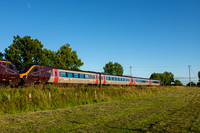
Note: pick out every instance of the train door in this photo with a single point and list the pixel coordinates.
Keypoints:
(55, 75)
(133, 81)
(104, 79)
(130, 81)
(97, 78)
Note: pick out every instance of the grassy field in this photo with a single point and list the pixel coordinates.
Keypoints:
(176, 110)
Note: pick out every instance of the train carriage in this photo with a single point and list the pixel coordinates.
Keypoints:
(8, 73)
(115, 80)
(74, 77)
(155, 82)
(141, 81)
(33, 74)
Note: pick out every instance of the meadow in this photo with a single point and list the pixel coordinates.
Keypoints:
(93, 109)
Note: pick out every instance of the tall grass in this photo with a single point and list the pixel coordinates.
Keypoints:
(17, 100)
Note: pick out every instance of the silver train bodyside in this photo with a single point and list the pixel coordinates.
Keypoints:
(87, 77)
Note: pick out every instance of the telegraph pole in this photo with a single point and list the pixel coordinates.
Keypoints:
(189, 76)
(131, 71)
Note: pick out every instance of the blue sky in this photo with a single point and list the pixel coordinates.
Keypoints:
(149, 35)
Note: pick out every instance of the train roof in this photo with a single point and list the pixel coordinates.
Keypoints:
(29, 65)
(5, 61)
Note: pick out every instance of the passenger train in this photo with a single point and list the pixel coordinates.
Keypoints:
(34, 74)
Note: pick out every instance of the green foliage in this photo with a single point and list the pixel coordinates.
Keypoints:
(198, 84)
(115, 68)
(177, 83)
(192, 84)
(166, 78)
(24, 51)
(68, 58)
(109, 68)
(1, 55)
(199, 75)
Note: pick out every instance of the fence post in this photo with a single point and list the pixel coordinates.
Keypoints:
(86, 94)
(95, 94)
(49, 95)
(30, 97)
(8, 97)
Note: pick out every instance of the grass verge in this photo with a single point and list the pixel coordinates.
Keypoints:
(18, 100)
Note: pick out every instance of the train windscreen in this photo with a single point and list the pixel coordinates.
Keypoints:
(25, 69)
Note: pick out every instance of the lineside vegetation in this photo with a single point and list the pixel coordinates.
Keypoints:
(18, 100)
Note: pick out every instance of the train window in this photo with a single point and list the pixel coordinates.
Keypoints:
(113, 78)
(75, 75)
(86, 76)
(56, 74)
(63, 74)
(92, 76)
(82, 76)
(11, 67)
(69, 75)
(107, 78)
(35, 69)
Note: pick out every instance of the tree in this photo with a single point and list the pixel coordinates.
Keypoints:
(115, 68)
(66, 58)
(1, 55)
(192, 84)
(177, 83)
(109, 68)
(199, 75)
(198, 84)
(118, 69)
(166, 78)
(25, 51)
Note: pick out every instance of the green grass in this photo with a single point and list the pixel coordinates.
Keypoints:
(51, 97)
(174, 110)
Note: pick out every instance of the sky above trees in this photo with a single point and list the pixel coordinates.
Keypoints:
(152, 36)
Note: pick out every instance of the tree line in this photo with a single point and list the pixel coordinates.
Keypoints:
(24, 51)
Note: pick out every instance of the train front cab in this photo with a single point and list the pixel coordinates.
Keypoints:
(35, 74)
(8, 73)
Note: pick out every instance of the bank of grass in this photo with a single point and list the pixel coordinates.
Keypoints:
(37, 98)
